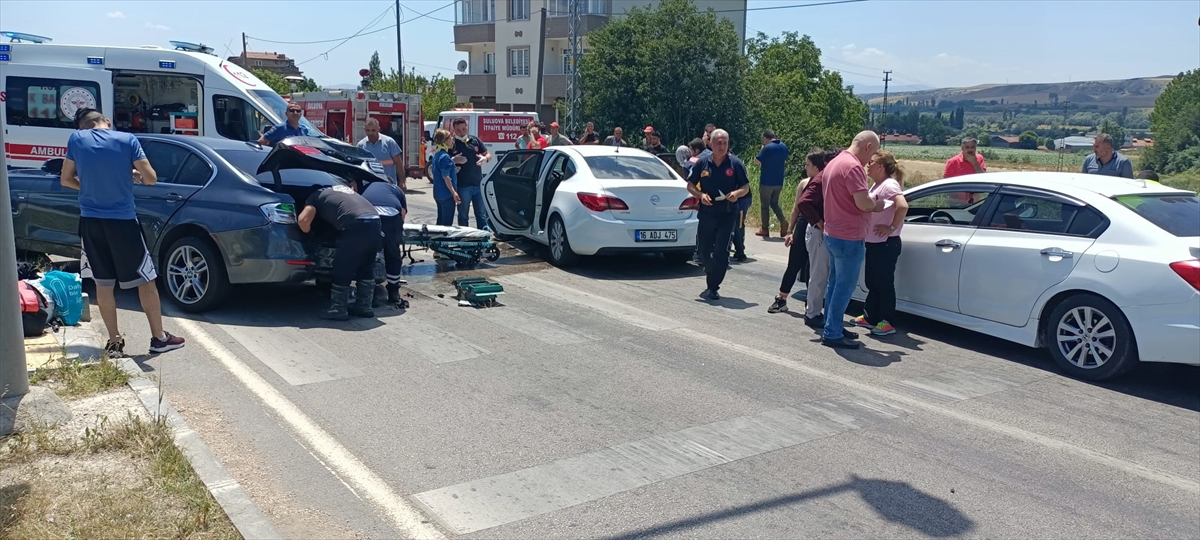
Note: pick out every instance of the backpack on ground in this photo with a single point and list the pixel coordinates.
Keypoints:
(35, 311)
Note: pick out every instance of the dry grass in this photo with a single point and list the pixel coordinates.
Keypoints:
(74, 379)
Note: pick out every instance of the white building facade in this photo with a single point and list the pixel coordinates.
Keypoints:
(500, 38)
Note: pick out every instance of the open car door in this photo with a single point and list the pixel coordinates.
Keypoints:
(510, 191)
(312, 153)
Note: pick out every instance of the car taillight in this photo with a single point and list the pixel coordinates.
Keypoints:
(284, 213)
(600, 203)
(1189, 271)
(307, 150)
(690, 203)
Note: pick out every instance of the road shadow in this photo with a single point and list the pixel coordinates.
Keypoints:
(647, 267)
(895, 502)
(728, 302)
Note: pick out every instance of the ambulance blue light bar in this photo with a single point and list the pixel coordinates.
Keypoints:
(95, 61)
(3, 57)
(5, 48)
(166, 64)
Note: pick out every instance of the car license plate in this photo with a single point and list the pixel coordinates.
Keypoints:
(656, 236)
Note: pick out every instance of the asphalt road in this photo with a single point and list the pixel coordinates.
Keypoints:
(609, 402)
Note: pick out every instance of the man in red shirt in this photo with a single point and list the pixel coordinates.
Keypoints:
(848, 208)
(966, 162)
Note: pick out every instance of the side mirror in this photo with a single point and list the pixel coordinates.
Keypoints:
(53, 166)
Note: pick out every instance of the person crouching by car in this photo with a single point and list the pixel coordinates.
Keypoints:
(445, 178)
(359, 239)
(390, 197)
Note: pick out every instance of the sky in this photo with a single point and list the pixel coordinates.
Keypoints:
(949, 43)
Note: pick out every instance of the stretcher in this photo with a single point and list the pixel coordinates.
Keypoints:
(466, 246)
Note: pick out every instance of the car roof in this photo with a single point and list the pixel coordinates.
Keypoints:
(215, 143)
(591, 150)
(1067, 183)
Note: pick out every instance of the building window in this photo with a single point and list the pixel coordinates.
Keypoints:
(562, 8)
(558, 8)
(518, 62)
(489, 62)
(518, 10)
(477, 11)
(595, 7)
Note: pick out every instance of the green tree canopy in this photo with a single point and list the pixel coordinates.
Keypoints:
(1175, 123)
(787, 91)
(1029, 141)
(280, 85)
(437, 92)
(669, 66)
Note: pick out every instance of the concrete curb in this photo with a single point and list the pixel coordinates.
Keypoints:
(247, 517)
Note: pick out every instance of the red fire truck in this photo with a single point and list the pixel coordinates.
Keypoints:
(343, 114)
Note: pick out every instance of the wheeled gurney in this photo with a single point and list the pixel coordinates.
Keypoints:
(466, 246)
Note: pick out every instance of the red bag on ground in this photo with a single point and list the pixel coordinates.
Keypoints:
(33, 310)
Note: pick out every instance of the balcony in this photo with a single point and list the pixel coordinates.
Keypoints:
(558, 27)
(475, 33)
(475, 85)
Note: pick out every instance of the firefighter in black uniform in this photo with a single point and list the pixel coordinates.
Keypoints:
(359, 239)
(718, 180)
(390, 198)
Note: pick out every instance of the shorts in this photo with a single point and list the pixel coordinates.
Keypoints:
(114, 252)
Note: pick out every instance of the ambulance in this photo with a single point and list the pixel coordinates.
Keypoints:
(185, 89)
(343, 114)
(497, 130)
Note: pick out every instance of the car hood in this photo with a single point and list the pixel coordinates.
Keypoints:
(318, 154)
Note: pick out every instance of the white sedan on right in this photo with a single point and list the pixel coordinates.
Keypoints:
(1104, 272)
(592, 200)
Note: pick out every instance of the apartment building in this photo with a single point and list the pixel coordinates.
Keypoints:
(274, 62)
(500, 38)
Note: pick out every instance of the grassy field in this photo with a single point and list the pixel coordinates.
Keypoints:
(1015, 158)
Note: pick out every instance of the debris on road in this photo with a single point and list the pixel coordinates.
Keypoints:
(477, 291)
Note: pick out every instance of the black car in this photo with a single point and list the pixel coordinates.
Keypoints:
(223, 212)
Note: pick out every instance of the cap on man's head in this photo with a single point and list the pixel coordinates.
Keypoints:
(88, 117)
(553, 124)
(649, 129)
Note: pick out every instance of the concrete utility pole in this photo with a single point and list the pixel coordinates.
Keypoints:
(541, 64)
(244, 65)
(14, 375)
(399, 53)
(574, 91)
(887, 78)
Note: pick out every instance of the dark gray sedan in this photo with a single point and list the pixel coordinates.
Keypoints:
(223, 212)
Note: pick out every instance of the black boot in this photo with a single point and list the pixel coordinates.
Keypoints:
(393, 292)
(364, 294)
(380, 300)
(338, 296)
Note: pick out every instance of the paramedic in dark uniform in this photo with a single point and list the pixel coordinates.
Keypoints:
(385, 195)
(718, 181)
(359, 239)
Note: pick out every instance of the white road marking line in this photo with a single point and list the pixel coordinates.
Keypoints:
(288, 352)
(636, 317)
(348, 468)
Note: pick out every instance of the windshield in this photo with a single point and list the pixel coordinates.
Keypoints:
(628, 168)
(279, 107)
(1176, 214)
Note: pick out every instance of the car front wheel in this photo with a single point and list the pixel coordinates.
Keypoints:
(194, 275)
(560, 246)
(1090, 338)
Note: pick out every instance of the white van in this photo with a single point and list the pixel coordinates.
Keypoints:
(186, 90)
(497, 130)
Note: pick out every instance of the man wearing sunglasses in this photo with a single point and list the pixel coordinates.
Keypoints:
(291, 128)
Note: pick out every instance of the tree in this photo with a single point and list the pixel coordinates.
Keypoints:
(376, 75)
(1049, 143)
(280, 85)
(933, 131)
(1117, 132)
(1028, 141)
(669, 66)
(437, 93)
(1175, 122)
(787, 90)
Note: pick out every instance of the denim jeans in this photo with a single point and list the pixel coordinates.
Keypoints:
(471, 196)
(445, 211)
(845, 262)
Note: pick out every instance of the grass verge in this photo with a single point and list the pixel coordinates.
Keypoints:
(75, 379)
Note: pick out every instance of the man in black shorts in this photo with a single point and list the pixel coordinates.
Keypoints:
(359, 238)
(103, 165)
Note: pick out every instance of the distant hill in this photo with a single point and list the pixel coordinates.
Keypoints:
(1133, 93)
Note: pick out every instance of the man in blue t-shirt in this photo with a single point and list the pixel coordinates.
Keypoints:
(103, 165)
(718, 181)
(385, 150)
(291, 128)
(772, 158)
(390, 198)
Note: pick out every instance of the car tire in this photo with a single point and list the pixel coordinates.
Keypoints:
(1089, 325)
(560, 246)
(195, 260)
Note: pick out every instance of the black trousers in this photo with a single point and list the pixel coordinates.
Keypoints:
(357, 245)
(797, 266)
(393, 250)
(880, 278)
(712, 240)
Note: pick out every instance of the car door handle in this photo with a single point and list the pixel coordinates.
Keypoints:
(1057, 252)
(174, 197)
(947, 245)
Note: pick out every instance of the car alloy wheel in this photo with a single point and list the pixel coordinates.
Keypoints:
(187, 274)
(1086, 337)
(558, 239)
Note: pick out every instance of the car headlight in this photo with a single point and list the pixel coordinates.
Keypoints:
(284, 213)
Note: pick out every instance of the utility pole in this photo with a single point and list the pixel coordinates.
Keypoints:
(574, 91)
(399, 53)
(14, 375)
(887, 77)
(541, 64)
(244, 65)
(1062, 151)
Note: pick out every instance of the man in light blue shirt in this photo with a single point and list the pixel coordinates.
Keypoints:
(1105, 160)
(291, 128)
(384, 149)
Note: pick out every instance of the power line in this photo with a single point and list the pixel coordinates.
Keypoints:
(832, 3)
(361, 33)
(427, 14)
(343, 42)
(341, 39)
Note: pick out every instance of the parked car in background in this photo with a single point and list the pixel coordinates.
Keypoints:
(1104, 272)
(222, 213)
(592, 200)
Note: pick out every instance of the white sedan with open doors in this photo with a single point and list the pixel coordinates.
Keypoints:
(1104, 272)
(592, 200)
